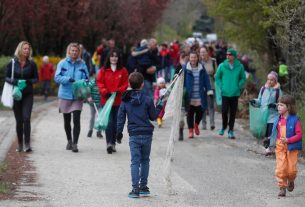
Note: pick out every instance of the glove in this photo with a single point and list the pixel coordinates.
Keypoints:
(119, 137)
(272, 106)
(21, 84)
(71, 80)
(252, 101)
(210, 93)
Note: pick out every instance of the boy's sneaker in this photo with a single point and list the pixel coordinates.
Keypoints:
(134, 194)
(144, 191)
(90, 133)
(99, 134)
(231, 134)
(221, 132)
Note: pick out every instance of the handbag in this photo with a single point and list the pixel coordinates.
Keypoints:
(7, 92)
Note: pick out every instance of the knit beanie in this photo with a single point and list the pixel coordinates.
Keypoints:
(273, 75)
(233, 52)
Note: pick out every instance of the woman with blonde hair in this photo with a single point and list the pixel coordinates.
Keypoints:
(69, 70)
(24, 70)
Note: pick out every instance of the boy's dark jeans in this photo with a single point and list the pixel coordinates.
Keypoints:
(140, 146)
(112, 128)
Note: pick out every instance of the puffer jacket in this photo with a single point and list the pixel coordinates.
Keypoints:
(66, 70)
(28, 73)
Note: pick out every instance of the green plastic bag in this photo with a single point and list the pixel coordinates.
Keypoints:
(218, 95)
(21, 84)
(102, 121)
(17, 95)
(258, 120)
(81, 89)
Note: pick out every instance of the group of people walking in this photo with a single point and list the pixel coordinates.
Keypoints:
(133, 90)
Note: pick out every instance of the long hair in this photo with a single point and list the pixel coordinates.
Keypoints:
(111, 54)
(73, 44)
(18, 50)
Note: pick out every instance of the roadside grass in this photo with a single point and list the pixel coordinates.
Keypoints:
(4, 187)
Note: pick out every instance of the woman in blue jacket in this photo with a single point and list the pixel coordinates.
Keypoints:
(68, 70)
(197, 86)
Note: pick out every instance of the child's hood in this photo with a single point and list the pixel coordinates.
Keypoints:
(135, 97)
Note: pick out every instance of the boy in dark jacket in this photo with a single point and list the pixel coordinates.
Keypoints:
(140, 110)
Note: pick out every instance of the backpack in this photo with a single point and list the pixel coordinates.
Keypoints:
(277, 93)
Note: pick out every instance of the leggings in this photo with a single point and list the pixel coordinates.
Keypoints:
(76, 128)
(22, 111)
(194, 110)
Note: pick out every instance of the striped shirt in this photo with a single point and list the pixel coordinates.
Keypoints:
(195, 99)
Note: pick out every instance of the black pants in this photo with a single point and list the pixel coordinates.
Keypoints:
(194, 110)
(76, 125)
(229, 104)
(22, 111)
(112, 126)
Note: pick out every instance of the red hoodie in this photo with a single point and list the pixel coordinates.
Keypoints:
(109, 82)
(46, 72)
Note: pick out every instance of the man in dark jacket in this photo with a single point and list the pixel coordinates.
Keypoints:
(140, 110)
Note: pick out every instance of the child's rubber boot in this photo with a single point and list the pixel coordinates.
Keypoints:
(191, 133)
(196, 129)
(159, 122)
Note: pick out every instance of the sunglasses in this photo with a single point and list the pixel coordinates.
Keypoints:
(229, 54)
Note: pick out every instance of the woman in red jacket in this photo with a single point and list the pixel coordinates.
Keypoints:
(113, 77)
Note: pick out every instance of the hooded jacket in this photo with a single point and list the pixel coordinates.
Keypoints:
(267, 95)
(140, 110)
(66, 70)
(230, 81)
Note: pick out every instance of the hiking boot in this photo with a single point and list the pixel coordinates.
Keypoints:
(113, 148)
(196, 129)
(144, 191)
(180, 134)
(212, 128)
(99, 134)
(191, 133)
(159, 122)
(282, 192)
(231, 134)
(69, 145)
(19, 148)
(27, 148)
(134, 194)
(290, 186)
(74, 148)
(109, 148)
(221, 132)
(90, 133)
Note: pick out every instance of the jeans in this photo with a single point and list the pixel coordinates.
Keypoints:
(46, 88)
(112, 128)
(92, 116)
(211, 110)
(22, 111)
(148, 89)
(229, 104)
(140, 147)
